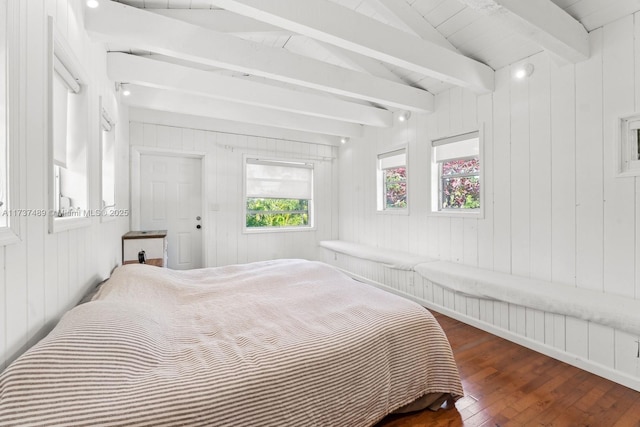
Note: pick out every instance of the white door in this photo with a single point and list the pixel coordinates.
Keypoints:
(171, 199)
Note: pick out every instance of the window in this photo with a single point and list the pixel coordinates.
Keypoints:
(456, 174)
(629, 146)
(279, 194)
(69, 113)
(392, 180)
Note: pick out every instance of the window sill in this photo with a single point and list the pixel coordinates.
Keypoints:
(456, 214)
(64, 224)
(259, 230)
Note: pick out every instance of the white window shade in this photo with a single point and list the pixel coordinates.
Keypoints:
(279, 180)
(60, 109)
(393, 159)
(456, 149)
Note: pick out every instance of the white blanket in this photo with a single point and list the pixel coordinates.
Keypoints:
(272, 343)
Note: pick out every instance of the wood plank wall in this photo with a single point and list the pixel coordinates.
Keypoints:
(46, 274)
(223, 168)
(554, 209)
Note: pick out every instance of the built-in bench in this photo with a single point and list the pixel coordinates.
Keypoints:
(392, 259)
(588, 329)
(552, 297)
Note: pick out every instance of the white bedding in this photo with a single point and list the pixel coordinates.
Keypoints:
(279, 343)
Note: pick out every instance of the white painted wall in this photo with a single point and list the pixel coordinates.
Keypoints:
(553, 208)
(223, 203)
(45, 274)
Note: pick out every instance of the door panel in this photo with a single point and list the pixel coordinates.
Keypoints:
(171, 199)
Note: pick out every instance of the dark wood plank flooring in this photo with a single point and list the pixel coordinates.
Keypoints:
(509, 385)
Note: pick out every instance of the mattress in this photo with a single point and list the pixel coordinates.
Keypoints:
(275, 343)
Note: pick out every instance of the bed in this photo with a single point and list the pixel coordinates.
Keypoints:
(274, 343)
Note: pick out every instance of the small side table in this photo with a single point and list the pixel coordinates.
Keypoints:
(152, 242)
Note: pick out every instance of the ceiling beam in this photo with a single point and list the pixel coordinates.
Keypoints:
(221, 20)
(118, 23)
(122, 67)
(543, 21)
(183, 103)
(165, 118)
(413, 21)
(344, 27)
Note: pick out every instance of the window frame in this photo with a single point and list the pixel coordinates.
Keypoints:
(628, 146)
(437, 177)
(59, 50)
(381, 206)
(10, 233)
(310, 205)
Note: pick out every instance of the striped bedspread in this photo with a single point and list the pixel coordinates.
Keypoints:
(275, 343)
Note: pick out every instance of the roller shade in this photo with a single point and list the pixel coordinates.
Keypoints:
(281, 180)
(393, 159)
(457, 147)
(60, 109)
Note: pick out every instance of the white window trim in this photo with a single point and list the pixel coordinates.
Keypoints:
(15, 149)
(435, 178)
(625, 165)
(380, 208)
(258, 230)
(59, 50)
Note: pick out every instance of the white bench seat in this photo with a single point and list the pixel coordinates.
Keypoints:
(610, 310)
(393, 259)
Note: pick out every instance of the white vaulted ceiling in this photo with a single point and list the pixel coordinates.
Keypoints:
(330, 67)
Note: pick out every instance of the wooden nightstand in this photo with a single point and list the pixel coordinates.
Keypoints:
(153, 243)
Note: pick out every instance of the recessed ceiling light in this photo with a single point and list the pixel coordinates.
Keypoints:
(126, 92)
(93, 4)
(344, 140)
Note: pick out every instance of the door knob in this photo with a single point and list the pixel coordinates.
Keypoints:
(198, 226)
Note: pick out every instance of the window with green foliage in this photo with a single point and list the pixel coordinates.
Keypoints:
(277, 212)
(279, 194)
(392, 180)
(456, 167)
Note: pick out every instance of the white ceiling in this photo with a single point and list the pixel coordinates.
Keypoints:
(330, 67)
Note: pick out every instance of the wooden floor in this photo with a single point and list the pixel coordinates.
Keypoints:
(509, 385)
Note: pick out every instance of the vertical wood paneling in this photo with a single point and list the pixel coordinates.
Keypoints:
(619, 203)
(577, 337)
(470, 255)
(540, 167)
(44, 274)
(601, 345)
(563, 174)
(502, 172)
(149, 136)
(136, 133)
(626, 353)
(3, 318)
(457, 240)
(520, 178)
(485, 225)
(589, 185)
(16, 303)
